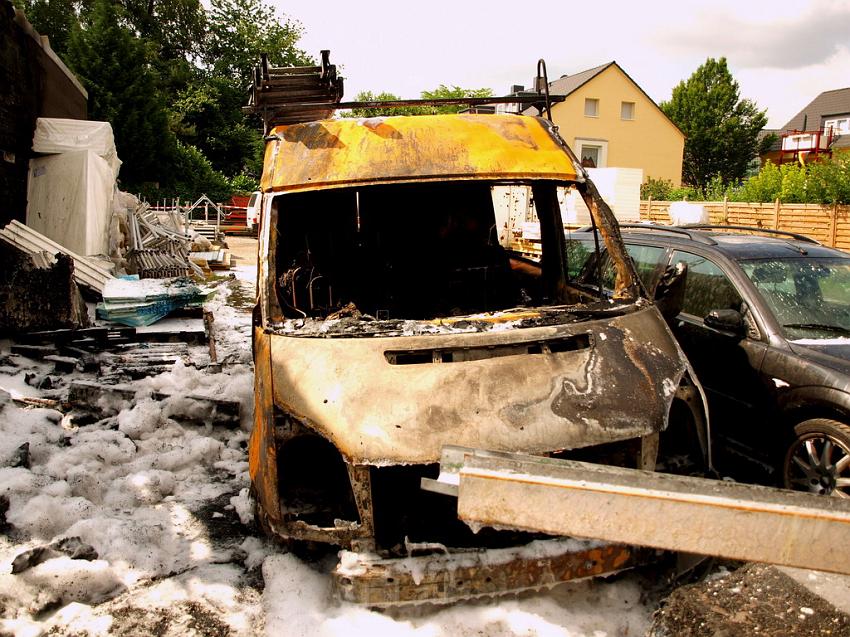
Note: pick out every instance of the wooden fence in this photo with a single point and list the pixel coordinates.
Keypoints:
(828, 224)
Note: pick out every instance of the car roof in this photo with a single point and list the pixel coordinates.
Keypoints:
(731, 243)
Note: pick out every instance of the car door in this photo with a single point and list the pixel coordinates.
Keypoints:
(726, 363)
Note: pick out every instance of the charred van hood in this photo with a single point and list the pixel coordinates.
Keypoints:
(832, 353)
(400, 399)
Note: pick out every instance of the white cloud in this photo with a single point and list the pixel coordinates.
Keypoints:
(783, 54)
(770, 41)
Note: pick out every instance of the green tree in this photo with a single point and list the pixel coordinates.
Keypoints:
(368, 96)
(208, 115)
(240, 30)
(168, 71)
(207, 111)
(721, 129)
(175, 34)
(113, 65)
(441, 92)
(53, 18)
(176, 28)
(453, 92)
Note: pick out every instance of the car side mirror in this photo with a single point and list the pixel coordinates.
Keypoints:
(725, 321)
(670, 291)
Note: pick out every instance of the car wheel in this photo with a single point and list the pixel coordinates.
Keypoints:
(818, 461)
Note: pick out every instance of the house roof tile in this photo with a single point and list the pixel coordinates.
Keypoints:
(571, 83)
(835, 102)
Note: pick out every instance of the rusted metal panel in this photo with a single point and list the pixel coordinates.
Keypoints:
(619, 385)
(345, 152)
(285, 522)
(445, 578)
(680, 513)
(262, 452)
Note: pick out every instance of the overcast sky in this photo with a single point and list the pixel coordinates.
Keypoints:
(782, 52)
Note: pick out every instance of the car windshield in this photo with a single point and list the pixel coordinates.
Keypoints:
(810, 297)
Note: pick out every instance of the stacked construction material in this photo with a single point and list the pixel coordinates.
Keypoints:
(209, 260)
(71, 183)
(137, 302)
(88, 272)
(159, 249)
(156, 264)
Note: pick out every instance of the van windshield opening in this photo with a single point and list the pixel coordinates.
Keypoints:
(411, 252)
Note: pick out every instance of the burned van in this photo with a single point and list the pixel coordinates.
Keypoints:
(392, 321)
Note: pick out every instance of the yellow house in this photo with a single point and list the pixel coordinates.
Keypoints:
(610, 122)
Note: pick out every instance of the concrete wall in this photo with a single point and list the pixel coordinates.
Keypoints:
(35, 83)
(649, 141)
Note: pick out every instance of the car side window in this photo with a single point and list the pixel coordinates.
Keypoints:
(579, 252)
(706, 287)
(647, 260)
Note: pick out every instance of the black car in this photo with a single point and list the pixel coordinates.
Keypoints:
(765, 322)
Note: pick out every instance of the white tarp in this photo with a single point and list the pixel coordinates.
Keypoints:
(54, 135)
(69, 200)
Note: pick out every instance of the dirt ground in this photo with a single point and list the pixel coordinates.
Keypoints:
(244, 249)
(757, 599)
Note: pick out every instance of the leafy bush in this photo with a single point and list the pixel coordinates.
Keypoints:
(683, 193)
(826, 181)
(663, 190)
(244, 184)
(763, 187)
(829, 181)
(658, 189)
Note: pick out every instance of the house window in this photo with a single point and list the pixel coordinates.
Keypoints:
(839, 126)
(593, 153)
(590, 156)
(591, 107)
(627, 110)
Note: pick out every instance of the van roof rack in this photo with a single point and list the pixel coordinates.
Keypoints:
(754, 230)
(292, 95)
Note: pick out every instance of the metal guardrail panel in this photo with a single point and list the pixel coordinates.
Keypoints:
(658, 510)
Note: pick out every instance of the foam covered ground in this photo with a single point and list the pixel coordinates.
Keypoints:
(164, 504)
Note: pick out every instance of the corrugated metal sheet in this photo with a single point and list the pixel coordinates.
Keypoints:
(86, 271)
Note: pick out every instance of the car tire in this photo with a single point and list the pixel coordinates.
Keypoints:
(818, 460)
